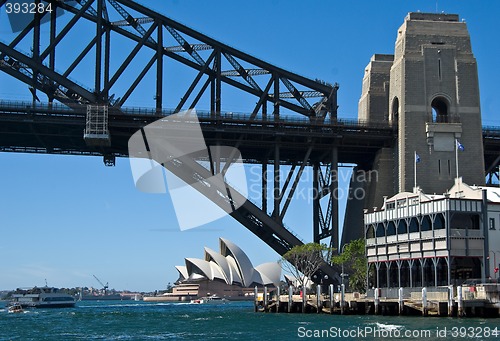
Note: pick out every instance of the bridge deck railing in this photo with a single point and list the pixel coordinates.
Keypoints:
(226, 117)
(285, 121)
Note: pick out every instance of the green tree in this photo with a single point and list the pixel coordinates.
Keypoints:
(354, 261)
(302, 261)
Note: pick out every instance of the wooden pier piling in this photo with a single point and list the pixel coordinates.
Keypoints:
(450, 300)
(443, 301)
(304, 301)
(460, 297)
(266, 299)
(424, 301)
(342, 298)
(331, 297)
(278, 301)
(401, 301)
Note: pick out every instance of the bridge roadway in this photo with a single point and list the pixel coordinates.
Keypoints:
(58, 129)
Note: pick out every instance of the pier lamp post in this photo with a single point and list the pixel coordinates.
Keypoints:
(323, 288)
(342, 275)
(321, 283)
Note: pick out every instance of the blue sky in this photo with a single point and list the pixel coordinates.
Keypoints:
(67, 218)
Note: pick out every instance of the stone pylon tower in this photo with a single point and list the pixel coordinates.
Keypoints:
(434, 98)
(430, 89)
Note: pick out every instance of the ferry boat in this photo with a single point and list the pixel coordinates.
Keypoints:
(44, 297)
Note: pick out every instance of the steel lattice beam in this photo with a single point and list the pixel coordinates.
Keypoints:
(127, 21)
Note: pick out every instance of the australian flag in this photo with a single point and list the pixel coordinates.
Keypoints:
(417, 158)
(460, 146)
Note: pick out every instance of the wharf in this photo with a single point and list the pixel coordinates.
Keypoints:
(440, 301)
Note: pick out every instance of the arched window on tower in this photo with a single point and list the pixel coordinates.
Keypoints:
(440, 110)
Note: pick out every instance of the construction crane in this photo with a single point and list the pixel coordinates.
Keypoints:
(105, 287)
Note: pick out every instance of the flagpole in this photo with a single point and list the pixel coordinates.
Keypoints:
(415, 163)
(456, 155)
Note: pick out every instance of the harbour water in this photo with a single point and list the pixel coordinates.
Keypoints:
(131, 320)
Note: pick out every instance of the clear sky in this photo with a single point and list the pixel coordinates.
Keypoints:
(67, 218)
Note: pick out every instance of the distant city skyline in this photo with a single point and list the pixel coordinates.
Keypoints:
(67, 218)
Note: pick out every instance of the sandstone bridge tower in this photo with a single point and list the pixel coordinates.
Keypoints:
(430, 89)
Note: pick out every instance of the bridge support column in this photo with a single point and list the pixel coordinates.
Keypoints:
(334, 242)
(316, 207)
(264, 185)
(276, 189)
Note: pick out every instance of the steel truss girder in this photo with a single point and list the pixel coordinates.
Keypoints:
(190, 41)
(267, 228)
(493, 172)
(325, 188)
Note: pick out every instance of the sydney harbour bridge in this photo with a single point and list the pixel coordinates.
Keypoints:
(294, 122)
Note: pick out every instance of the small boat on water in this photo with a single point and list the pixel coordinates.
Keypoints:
(214, 299)
(44, 297)
(15, 308)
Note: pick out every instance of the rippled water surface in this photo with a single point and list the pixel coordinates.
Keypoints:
(233, 321)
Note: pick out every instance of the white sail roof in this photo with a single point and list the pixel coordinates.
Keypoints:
(183, 273)
(198, 267)
(270, 272)
(231, 265)
(221, 261)
(245, 267)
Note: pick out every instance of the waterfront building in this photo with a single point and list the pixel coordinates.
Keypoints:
(429, 90)
(416, 239)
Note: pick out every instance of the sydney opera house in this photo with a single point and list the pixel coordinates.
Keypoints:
(228, 273)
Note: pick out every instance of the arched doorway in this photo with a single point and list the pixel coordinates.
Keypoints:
(395, 110)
